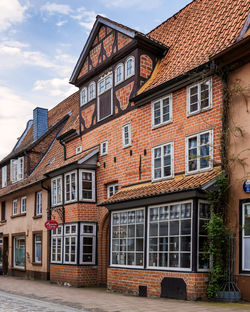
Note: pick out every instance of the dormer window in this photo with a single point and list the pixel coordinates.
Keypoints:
(83, 96)
(119, 76)
(17, 169)
(92, 91)
(129, 67)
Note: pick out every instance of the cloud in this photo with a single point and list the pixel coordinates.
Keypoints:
(144, 5)
(14, 122)
(55, 87)
(54, 8)
(85, 18)
(11, 12)
(61, 23)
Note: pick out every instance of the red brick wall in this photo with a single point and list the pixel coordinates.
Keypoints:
(129, 280)
(146, 66)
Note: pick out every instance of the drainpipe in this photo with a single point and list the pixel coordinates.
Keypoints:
(64, 148)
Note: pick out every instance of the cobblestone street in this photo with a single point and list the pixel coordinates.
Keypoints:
(34, 296)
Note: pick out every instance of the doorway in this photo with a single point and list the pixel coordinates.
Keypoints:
(5, 255)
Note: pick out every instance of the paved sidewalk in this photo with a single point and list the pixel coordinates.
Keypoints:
(99, 300)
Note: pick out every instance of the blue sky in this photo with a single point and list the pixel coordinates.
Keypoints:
(40, 42)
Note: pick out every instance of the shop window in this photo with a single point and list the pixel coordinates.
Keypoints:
(19, 252)
(88, 243)
(70, 243)
(56, 245)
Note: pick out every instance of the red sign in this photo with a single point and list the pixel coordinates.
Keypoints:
(51, 225)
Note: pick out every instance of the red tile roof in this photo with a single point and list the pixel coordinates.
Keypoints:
(178, 184)
(201, 29)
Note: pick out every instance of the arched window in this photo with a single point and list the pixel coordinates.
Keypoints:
(119, 74)
(83, 96)
(92, 91)
(129, 67)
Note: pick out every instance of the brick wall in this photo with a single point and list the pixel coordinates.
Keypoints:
(129, 280)
(146, 66)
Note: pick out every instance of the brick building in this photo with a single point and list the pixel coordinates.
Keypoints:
(125, 162)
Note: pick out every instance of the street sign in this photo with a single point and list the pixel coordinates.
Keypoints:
(51, 224)
(246, 186)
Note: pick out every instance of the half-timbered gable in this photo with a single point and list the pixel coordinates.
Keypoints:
(116, 61)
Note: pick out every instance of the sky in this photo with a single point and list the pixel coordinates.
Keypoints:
(40, 42)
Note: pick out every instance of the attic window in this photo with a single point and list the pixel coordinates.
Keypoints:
(119, 74)
(92, 91)
(83, 96)
(130, 67)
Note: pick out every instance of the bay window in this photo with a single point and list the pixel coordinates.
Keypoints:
(70, 180)
(70, 243)
(56, 245)
(127, 238)
(199, 152)
(56, 191)
(162, 161)
(87, 185)
(87, 243)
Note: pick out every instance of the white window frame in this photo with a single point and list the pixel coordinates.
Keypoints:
(89, 91)
(162, 161)
(127, 125)
(198, 135)
(55, 235)
(108, 75)
(70, 235)
(122, 74)
(84, 100)
(244, 236)
(70, 186)
(4, 176)
(14, 207)
(14, 251)
(93, 199)
(198, 237)
(82, 236)
(79, 149)
(180, 251)
(104, 144)
(36, 242)
(170, 97)
(23, 204)
(210, 97)
(17, 169)
(57, 203)
(133, 67)
(39, 203)
(111, 236)
(112, 187)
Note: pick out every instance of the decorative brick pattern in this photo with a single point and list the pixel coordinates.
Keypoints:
(108, 44)
(94, 53)
(87, 115)
(146, 66)
(84, 69)
(123, 95)
(123, 40)
(102, 33)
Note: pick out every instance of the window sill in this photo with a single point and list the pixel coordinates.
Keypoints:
(199, 112)
(163, 179)
(18, 215)
(37, 217)
(124, 147)
(162, 124)
(198, 171)
(18, 269)
(37, 263)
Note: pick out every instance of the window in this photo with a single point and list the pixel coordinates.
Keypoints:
(119, 74)
(17, 169)
(104, 148)
(3, 211)
(129, 67)
(56, 191)
(199, 152)
(37, 245)
(162, 111)
(246, 236)
(126, 135)
(87, 185)
(56, 245)
(39, 203)
(88, 243)
(127, 238)
(105, 84)
(203, 218)
(199, 97)
(112, 189)
(78, 149)
(19, 252)
(83, 96)
(1, 253)
(70, 243)
(14, 207)
(4, 176)
(23, 204)
(70, 187)
(162, 161)
(169, 236)
(105, 97)
(91, 91)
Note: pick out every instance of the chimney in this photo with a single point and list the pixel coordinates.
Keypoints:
(40, 122)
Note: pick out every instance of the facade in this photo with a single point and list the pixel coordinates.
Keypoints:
(125, 163)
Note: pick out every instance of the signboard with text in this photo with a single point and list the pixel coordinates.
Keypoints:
(51, 224)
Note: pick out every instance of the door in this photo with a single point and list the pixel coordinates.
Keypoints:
(5, 255)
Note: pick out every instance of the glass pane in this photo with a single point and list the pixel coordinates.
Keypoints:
(163, 259)
(203, 243)
(163, 243)
(139, 258)
(123, 231)
(163, 229)
(131, 231)
(173, 260)
(202, 227)
(131, 217)
(185, 243)
(185, 260)
(153, 259)
(153, 229)
(186, 227)
(186, 210)
(205, 211)
(153, 243)
(131, 244)
(164, 215)
(87, 258)
(153, 214)
(140, 216)
(139, 244)
(174, 227)
(131, 259)
(174, 243)
(174, 211)
(115, 245)
(88, 241)
(116, 218)
(247, 221)
(204, 261)
(139, 230)
(124, 217)
(115, 256)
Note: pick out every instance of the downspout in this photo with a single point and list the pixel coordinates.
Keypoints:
(64, 148)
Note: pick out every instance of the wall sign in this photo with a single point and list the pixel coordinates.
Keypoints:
(246, 186)
(51, 224)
